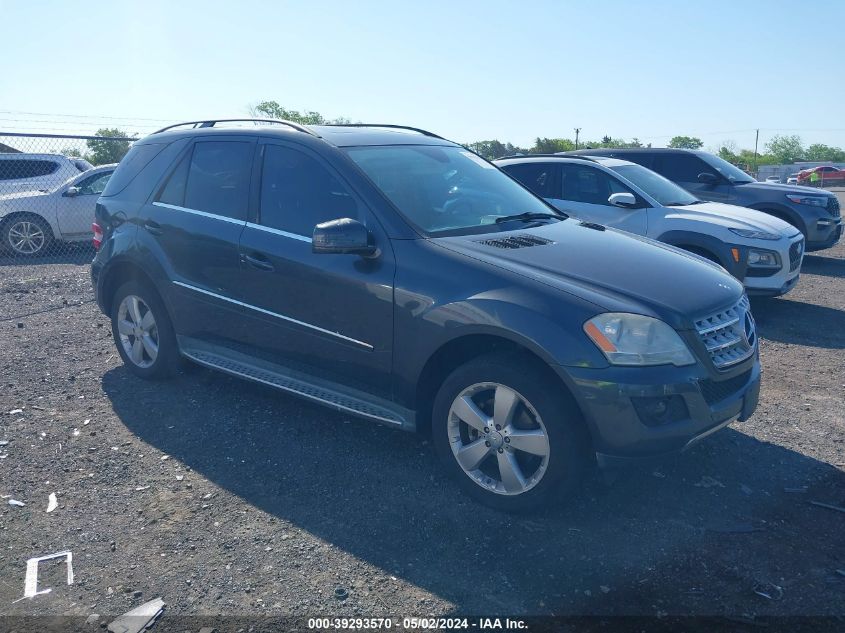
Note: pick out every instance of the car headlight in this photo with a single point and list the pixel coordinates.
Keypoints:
(751, 234)
(813, 201)
(758, 258)
(634, 339)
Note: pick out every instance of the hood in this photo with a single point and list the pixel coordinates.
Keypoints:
(785, 189)
(733, 217)
(615, 270)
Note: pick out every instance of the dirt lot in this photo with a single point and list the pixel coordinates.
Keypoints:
(225, 497)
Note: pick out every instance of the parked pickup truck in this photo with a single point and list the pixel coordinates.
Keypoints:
(827, 176)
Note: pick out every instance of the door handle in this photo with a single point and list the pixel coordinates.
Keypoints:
(258, 261)
(153, 227)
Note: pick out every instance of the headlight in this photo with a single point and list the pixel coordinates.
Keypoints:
(813, 201)
(758, 258)
(751, 234)
(633, 339)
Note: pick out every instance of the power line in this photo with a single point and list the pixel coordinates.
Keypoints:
(84, 116)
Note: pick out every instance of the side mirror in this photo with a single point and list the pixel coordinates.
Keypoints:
(624, 200)
(71, 192)
(343, 236)
(707, 178)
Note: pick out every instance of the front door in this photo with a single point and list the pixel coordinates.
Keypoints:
(76, 213)
(584, 191)
(329, 315)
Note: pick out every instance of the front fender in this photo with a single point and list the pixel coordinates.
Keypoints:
(720, 250)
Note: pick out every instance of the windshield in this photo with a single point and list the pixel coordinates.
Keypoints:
(446, 189)
(731, 172)
(661, 189)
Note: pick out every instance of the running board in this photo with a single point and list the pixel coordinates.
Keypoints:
(297, 383)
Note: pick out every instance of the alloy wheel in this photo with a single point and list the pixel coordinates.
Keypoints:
(138, 332)
(498, 438)
(26, 237)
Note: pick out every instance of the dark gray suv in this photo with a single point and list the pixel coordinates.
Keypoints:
(814, 212)
(395, 275)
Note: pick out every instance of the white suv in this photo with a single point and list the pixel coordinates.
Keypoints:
(31, 172)
(31, 220)
(762, 251)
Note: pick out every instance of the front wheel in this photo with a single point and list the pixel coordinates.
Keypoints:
(504, 430)
(142, 331)
(27, 235)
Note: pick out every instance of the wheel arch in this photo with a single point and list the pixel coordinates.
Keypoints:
(782, 212)
(464, 348)
(118, 273)
(55, 234)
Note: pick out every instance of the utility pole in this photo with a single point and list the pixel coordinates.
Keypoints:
(577, 132)
(756, 140)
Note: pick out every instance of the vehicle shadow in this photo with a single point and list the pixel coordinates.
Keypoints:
(799, 323)
(821, 265)
(680, 536)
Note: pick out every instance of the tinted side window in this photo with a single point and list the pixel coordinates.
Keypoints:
(681, 167)
(218, 178)
(581, 183)
(131, 165)
(174, 191)
(297, 192)
(538, 177)
(17, 169)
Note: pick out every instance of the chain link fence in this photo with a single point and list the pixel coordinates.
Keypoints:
(49, 185)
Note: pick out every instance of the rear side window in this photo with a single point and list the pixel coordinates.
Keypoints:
(138, 157)
(681, 167)
(298, 193)
(218, 178)
(588, 184)
(538, 177)
(22, 168)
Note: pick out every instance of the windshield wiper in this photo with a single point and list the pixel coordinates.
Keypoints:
(529, 216)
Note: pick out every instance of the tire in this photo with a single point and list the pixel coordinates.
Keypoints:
(147, 344)
(27, 236)
(549, 472)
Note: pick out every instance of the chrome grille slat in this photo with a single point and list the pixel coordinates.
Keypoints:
(729, 336)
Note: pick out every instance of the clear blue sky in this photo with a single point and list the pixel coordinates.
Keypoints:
(467, 69)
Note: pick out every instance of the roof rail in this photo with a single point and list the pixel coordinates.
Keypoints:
(556, 155)
(386, 125)
(213, 122)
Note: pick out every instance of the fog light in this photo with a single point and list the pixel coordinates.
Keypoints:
(660, 410)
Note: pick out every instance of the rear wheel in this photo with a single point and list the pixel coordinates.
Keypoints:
(506, 434)
(27, 235)
(142, 331)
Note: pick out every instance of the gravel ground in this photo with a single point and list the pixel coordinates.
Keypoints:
(225, 497)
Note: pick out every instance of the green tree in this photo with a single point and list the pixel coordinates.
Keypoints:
(785, 149)
(495, 149)
(686, 142)
(102, 152)
(272, 110)
(820, 152)
(552, 145)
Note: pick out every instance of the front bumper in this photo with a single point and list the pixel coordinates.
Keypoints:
(712, 399)
(776, 282)
(824, 233)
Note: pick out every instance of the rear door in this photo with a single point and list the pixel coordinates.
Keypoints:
(75, 214)
(194, 221)
(330, 315)
(684, 169)
(584, 190)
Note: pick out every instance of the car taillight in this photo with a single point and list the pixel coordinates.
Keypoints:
(98, 235)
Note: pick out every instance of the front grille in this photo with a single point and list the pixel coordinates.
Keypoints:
(715, 391)
(729, 335)
(833, 207)
(517, 241)
(795, 253)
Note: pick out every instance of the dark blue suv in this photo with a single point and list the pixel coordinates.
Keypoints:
(392, 274)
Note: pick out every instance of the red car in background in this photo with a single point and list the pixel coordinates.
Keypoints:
(828, 176)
